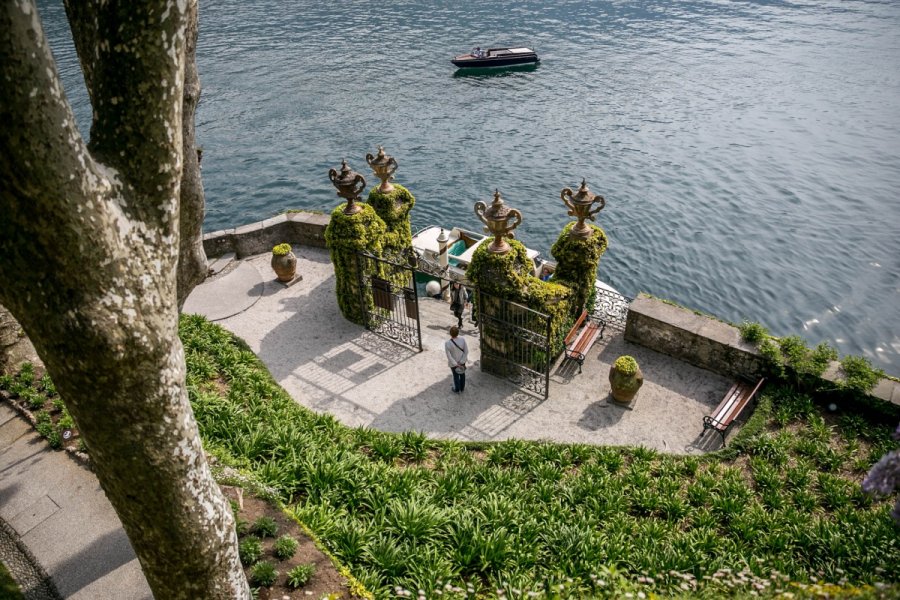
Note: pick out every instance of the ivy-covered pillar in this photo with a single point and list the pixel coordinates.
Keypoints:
(502, 273)
(354, 227)
(577, 260)
(579, 247)
(392, 202)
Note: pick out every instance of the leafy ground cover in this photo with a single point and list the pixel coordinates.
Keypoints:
(279, 560)
(781, 512)
(8, 588)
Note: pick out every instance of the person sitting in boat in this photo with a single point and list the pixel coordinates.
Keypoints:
(546, 274)
(478, 52)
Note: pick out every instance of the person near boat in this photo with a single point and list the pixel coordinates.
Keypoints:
(459, 298)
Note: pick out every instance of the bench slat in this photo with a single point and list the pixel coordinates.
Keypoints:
(580, 339)
(586, 338)
(731, 406)
(734, 401)
(573, 333)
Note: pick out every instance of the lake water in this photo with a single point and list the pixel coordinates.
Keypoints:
(749, 152)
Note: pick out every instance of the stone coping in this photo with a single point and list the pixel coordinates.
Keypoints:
(709, 343)
(300, 228)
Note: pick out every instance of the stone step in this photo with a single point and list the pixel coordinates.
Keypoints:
(219, 264)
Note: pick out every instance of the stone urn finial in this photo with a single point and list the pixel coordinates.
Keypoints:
(500, 221)
(384, 167)
(579, 205)
(350, 185)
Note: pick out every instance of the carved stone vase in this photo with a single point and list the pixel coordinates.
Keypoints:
(625, 382)
(285, 266)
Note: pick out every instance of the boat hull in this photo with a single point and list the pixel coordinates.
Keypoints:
(487, 63)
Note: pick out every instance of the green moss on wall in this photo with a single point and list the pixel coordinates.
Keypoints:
(509, 277)
(502, 275)
(394, 208)
(577, 261)
(346, 235)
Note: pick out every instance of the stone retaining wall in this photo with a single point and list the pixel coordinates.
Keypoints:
(711, 344)
(300, 228)
(696, 339)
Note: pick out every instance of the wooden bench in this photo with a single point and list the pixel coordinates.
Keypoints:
(731, 406)
(580, 339)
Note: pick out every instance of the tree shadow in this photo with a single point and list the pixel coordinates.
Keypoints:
(94, 561)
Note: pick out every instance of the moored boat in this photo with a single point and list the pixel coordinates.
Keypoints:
(496, 57)
(461, 246)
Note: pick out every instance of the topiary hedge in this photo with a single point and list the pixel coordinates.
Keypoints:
(502, 275)
(577, 261)
(509, 276)
(345, 236)
(394, 208)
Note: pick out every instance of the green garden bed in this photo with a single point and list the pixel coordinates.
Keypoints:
(783, 512)
(779, 511)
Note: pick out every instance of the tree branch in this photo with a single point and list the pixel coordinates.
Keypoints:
(146, 40)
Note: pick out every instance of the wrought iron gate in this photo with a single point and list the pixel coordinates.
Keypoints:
(515, 343)
(388, 297)
(610, 308)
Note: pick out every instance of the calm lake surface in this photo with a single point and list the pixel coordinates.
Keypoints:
(749, 152)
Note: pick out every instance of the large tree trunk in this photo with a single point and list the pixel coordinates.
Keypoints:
(89, 243)
(192, 265)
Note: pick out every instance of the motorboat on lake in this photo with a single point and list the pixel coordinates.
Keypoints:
(461, 246)
(496, 57)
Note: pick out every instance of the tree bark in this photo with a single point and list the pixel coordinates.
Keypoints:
(192, 265)
(89, 244)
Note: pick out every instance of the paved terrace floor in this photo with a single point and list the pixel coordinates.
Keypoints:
(331, 365)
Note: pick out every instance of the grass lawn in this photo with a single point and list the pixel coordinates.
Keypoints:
(781, 511)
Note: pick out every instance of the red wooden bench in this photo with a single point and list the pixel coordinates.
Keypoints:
(580, 339)
(731, 406)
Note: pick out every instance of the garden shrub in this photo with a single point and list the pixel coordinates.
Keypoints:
(753, 333)
(263, 573)
(249, 550)
(281, 250)
(509, 277)
(393, 208)
(859, 376)
(300, 575)
(265, 527)
(285, 547)
(346, 235)
(577, 262)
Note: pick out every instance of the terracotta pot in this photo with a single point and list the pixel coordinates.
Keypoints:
(624, 387)
(285, 266)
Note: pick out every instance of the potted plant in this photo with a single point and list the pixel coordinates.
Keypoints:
(625, 379)
(284, 263)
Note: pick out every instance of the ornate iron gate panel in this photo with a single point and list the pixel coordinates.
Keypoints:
(515, 343)
(388, 297)
(610, 308)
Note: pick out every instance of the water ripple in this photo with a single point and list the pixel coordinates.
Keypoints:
(749, 151)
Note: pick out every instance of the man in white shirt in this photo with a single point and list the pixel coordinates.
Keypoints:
(457, 354)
